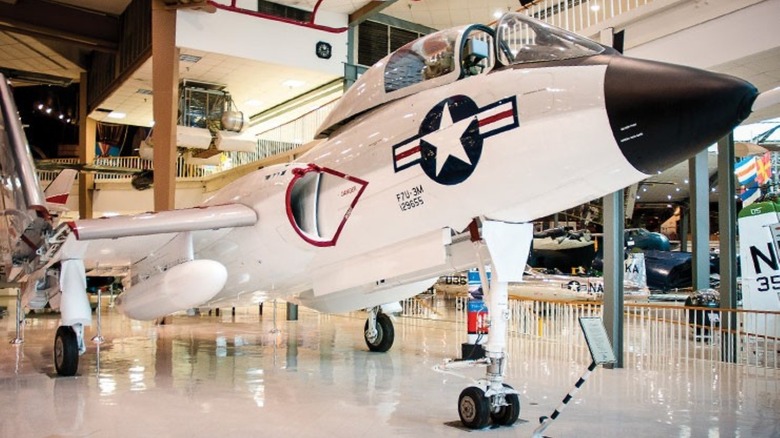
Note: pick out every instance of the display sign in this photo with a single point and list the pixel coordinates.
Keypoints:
(776, 236)
(597, 339)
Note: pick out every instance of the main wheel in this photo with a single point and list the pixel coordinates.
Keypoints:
(473, 408)
(66, 351)
(385, 334)
(507, 415)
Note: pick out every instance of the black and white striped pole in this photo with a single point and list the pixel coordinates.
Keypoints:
(545, 421)
(600, 350)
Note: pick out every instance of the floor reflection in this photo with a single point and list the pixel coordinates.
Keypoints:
(233, 375)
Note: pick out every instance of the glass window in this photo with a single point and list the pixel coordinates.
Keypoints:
(427, 58)
(521, 39)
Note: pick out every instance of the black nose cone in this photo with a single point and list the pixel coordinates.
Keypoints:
(661, 114)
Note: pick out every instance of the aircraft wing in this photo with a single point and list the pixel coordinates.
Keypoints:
(126, 239)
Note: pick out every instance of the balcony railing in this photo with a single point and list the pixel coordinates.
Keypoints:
(275, 141)
(576, 15)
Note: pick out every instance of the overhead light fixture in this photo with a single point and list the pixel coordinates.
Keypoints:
(595, 7)
(497, 14)
(117, 115)
(253, 102)
(292, 83)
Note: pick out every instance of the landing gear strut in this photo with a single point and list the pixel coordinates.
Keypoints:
(378, 331)
(492, 399)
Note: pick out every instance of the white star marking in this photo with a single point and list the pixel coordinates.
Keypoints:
(447, 139)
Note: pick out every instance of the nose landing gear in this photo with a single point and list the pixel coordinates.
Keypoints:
(491, 399)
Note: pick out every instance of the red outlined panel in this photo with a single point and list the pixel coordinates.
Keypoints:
(315, 239)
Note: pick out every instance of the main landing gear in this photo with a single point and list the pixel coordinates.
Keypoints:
(66, 350)
(378, 331)
(490, 399)
(76, 313)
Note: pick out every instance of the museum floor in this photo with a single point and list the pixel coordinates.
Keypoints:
(233, 376)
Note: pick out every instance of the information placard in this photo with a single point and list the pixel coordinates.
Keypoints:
(597, 339)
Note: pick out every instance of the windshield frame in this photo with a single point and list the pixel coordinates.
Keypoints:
(540, 42)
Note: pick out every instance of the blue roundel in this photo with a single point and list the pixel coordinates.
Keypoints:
(446, 134)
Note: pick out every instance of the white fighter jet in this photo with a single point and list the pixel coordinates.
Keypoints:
(435, 161)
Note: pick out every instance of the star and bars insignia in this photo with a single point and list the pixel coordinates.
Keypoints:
(449, 143)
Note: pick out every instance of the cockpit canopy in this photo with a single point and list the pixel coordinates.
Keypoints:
(522, 40)
(446, 56)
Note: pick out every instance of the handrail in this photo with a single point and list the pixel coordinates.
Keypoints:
(576, 15)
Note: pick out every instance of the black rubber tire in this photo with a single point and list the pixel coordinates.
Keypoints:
(66, 351)
(474, 408)
(507, 415)
(385, 334)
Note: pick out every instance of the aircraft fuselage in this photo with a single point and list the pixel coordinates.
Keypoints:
(519, 144)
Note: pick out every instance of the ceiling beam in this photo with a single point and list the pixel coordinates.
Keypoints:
(369, 9)
(39, 18)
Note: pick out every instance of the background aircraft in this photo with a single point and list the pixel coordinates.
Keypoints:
(374, 215)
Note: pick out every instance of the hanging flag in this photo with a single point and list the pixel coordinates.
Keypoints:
(746, 171)
(750, 195)
(764, 169)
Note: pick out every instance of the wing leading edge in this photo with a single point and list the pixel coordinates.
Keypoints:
(163, 222)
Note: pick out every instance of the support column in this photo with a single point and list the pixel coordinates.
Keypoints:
(698, 175)
(165, 83)
(614, 236)
(292, 312)
(613, 272)
(684, 215)
(87, 131)
(727, 224)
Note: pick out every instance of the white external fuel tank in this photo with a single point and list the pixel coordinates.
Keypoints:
(181, 287)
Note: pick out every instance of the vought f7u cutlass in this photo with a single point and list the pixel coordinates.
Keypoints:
(523, 119)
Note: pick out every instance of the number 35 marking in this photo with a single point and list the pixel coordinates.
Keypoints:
(764, 283)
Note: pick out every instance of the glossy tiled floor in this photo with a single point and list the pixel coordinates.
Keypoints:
(232, 376)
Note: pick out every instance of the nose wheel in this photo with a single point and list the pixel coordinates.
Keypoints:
(473, 408)
(477, 409)
(507, 414)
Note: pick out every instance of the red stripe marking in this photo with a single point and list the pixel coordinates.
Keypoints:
(74, 228)
(405, 154)
(496, 117)
(58, 199)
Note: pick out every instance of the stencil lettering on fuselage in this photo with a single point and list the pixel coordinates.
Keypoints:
(448, 146)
